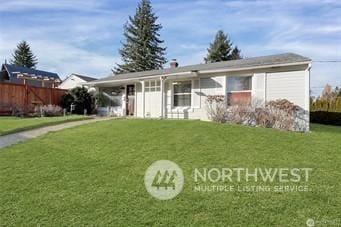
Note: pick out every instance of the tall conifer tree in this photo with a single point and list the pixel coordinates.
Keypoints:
(24, 56)
(142, 48)
(222, 49)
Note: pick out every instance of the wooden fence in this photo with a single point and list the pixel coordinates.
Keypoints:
(23, 98)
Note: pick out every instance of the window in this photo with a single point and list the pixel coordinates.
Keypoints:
(239, 83)
(182, 93)
(152, 85)
(239, 90)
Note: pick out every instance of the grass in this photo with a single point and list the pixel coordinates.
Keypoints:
(10, 125)
(93, 175)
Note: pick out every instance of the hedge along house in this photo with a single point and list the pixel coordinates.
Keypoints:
(180, 92)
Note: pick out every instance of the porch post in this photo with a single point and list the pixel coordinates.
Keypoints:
(124, 102)
(143, 99)
(135, 101)
(162, 96)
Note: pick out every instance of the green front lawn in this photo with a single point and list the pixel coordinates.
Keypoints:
(94, 175)
(14, 124)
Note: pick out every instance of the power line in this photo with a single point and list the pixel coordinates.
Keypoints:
(327, 61)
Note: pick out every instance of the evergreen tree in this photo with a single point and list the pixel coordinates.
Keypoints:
(222, 49)
(235, 54)
(23, 56)
(142, 48)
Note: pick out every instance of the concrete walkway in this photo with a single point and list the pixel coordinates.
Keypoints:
(8, 140)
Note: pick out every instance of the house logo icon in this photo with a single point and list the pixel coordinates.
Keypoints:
(164, 179)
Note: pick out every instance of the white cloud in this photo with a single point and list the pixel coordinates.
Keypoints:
(66, 59)
(24, 5)
(83, 36)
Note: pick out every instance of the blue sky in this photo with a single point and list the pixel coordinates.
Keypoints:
(83, 37)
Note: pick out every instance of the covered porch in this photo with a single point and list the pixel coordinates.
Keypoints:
(145, 98)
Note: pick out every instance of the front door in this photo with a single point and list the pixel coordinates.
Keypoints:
(130, 103)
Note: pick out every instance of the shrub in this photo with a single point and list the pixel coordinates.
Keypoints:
(279, 114)
(49, 111)
(240, 114)
(66, 101)
(81, 98)
(324, 117)
(216, 108)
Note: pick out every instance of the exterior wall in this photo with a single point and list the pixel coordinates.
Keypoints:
(71, 82)
(265, 87)
(258, 86)
(288, 85)
(201, 88)
(4, 75)
(139, 100)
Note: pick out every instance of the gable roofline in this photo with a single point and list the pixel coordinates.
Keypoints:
(86, 78)
(280, 60)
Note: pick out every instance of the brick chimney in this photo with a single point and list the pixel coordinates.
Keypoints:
(174, 63)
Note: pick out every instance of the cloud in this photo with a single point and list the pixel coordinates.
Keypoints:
(66, 59)
(84, 36)
(24, 5)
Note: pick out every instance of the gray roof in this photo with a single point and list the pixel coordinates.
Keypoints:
(86, 78)
(14, 69)
(270, 60)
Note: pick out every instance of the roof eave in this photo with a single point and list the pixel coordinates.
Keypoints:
(195, 73)
(256, 67)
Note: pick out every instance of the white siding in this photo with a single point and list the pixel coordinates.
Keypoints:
(71, 82)
(196, 97)
(139, 100)
(200, 89)
(287, 85)
(265, 86)
(258, 87)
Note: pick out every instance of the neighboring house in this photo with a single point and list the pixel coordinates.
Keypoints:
(21, 75)
(180, 92)
(75, 80)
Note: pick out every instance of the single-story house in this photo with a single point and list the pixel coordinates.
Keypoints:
(75, 80)
(16, 74)
(180, 92)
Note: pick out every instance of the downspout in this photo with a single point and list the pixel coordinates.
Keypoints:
(308, 98)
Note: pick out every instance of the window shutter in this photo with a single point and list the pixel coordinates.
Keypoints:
(196, 93)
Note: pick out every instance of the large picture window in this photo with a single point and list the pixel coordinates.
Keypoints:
(239, 83)
(239, 90)
(182, 93)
